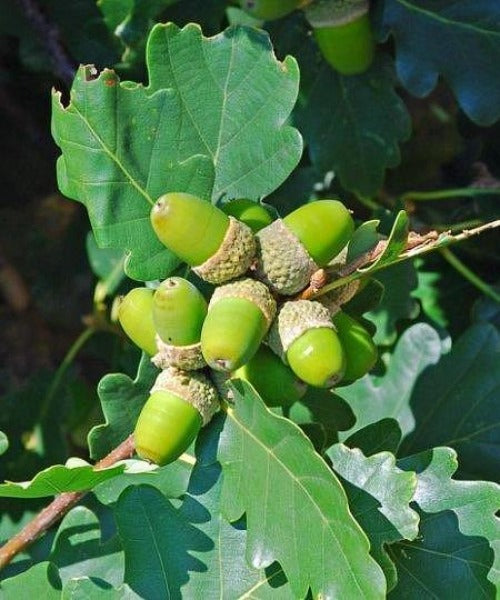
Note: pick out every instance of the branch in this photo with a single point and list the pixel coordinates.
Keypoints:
(48, 35)
(58, 508)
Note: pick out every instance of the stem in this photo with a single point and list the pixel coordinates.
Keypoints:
(443, 194)
(58, 508)
(469, 275)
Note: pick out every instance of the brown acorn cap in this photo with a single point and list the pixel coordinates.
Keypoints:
(234, 256)
(334, 299)
(193, 387)
(331, 13)
(248, 289)
(295, 318)
(188, 358)
(282, 261)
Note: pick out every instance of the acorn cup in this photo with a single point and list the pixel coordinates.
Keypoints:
(239, 316)
(179, 310)
(360, 350)
(179, 405)
(251, 213)
(217, 246)
(268, 10)
(135, 313)
(343, 32)
(304, 336)
(290, 250)
(275, 383)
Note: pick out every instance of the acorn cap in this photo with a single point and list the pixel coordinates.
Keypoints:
(193, 387)
(331, 13)
(234, 256)
(251, 290)
(188, 358)
(283, 262)
(295, 318)
(334, 299)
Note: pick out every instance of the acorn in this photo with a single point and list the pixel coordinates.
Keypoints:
(179, 310)
(217, 246)
(359, 348)
(343, 32)
(304, 336)
(275, 383)
(290, 250)
(239, 316)
(268, 10)
(179, 405)
(251, 213)
(135, 313)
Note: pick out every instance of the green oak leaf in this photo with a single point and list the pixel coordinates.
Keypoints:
(429, 294)
(271, 472)
(118, 155)
(85, 588)
(235, 100)
(122, 400)
(41, 581)
(353, 125)
(379, 496)
(455, 403)
(486, 310)
(376, 437)
(75, 476)
(373, 398)
(453, 509)
(107, 264)
(78, 549)
(430, 39)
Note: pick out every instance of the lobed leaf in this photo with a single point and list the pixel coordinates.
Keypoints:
(41, 581)
(296, 510)
(431, 39)
(379, 496)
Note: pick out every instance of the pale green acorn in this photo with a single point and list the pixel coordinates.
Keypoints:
(179, 310)
(304, 336)
(290, 250)
(179, 405)
(239, 316)
(135, 313)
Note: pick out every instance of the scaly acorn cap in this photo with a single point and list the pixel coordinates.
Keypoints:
(294, 319)
(188, 358)
(283, 262)
(234, 256)
(193, 387)
(334, 299)
(247, 289)
(331, 13)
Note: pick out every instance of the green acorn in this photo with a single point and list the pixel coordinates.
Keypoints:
(267, 10)
(305, 338)
(239, 316)
(293, 248)
(179, 310)
(251, 213)
(360, 350)
(135, 313)
(343, 32)
(275, 383)
(217, 246)
(179, 405)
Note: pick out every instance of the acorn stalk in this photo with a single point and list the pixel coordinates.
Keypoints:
(217, 246)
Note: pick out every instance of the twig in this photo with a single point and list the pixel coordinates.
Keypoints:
(48, 35)
(58, 508)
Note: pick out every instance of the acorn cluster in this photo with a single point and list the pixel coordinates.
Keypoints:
(252, 328)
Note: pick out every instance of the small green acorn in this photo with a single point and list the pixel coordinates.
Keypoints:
(251, 213)
(135, 313)
(179, 405)
(239, 316)
(179, 310)
(290, 250)
(275, 383)
(360, 350)
(343, 32)
(268, 10)
(305, 338)
(217, 246)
